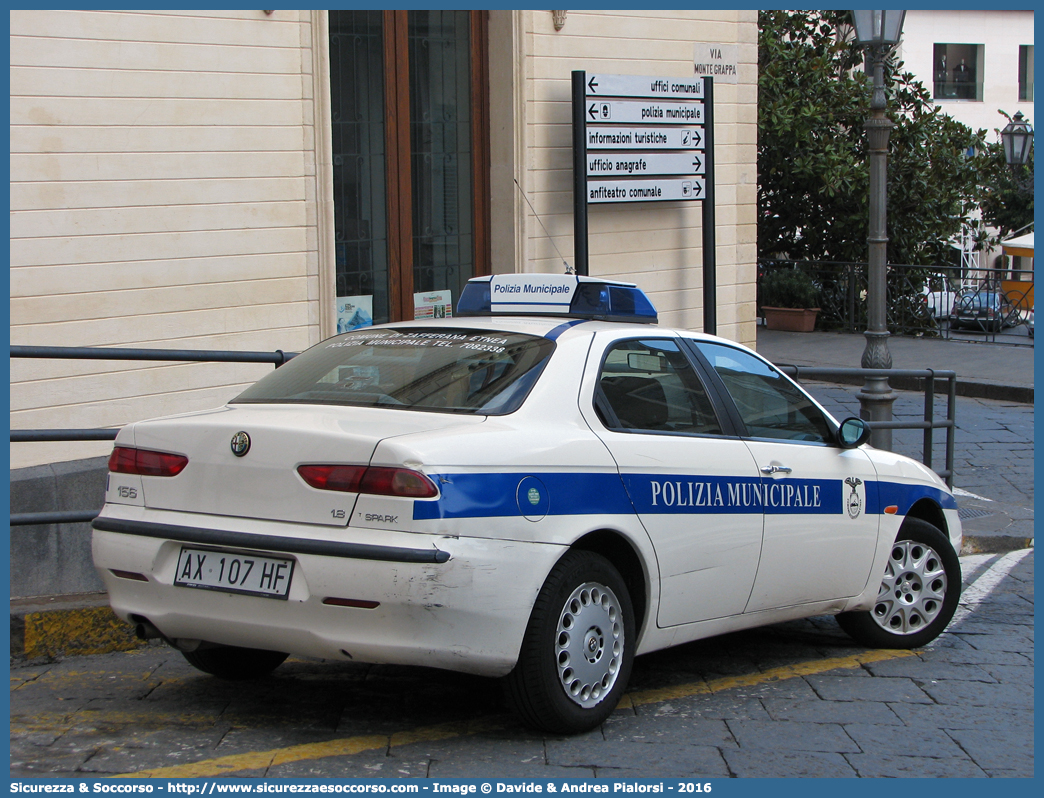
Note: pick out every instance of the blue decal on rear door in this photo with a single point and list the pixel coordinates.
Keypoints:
(496, 495)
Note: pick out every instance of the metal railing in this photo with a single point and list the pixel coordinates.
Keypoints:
(991, 305)
(929, 423)
(276, 358)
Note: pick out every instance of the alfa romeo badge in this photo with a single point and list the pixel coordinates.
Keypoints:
(240, 444)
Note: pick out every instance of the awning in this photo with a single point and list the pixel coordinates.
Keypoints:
(1021, 246)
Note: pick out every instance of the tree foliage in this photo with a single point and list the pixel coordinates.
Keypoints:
(813, 167)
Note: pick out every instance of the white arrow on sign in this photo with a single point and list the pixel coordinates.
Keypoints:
(641, 86)
(649, 112)
(644, 163)
(648, 190)
(644, 138)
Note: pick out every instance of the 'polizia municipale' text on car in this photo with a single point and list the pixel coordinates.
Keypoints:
(538, 489)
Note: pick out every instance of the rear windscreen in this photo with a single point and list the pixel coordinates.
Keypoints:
(441, 369)
(978, 301)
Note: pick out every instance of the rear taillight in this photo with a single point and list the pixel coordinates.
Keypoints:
(398, 482)
(333, 477)
(125, 460)
(378, 480)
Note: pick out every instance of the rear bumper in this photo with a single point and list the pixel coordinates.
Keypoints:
(259, 542)
(463, 606)
(975, 322)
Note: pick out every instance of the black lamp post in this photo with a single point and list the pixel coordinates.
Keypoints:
(1017, 138)
(878, 32)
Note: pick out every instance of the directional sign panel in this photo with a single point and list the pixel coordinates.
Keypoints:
(637, 164)
(641, 86)
(640, 138)
(649, 112)
(648, 190)
(645, 138)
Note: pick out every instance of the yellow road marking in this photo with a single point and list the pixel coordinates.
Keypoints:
(660, 694)
(261, 760)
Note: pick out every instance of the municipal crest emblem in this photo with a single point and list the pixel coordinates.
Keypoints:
(854, 502)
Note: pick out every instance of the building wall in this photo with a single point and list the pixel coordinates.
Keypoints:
(1001, 32)
(658, 244)
(162, 195)
(165, 192)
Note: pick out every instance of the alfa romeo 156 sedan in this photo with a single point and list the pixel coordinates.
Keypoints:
(539, 489)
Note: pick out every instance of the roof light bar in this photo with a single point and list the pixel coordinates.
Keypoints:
(555, 295)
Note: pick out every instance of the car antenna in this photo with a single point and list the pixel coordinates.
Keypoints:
(568, 268)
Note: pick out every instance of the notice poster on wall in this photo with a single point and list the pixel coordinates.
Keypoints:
(433, 305)
(354, 312)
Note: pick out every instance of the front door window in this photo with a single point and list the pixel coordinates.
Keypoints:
(769, 404)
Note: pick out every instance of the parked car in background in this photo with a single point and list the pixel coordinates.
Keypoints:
(939, 303)
(985, 311)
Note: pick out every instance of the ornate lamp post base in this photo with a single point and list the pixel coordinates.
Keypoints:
(877, 396)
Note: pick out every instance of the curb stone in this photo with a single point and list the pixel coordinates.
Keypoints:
(50, 627)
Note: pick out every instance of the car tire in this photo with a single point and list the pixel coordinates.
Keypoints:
(233, 663)
(918, 593)
(578, 647)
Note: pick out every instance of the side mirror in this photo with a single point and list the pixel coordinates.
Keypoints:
(853, 432)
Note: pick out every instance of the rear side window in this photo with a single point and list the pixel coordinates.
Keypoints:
(442, 369)
(649, 386)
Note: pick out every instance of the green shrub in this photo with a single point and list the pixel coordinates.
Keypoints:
(788, 288)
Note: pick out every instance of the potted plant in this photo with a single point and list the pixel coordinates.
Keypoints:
(789, 300)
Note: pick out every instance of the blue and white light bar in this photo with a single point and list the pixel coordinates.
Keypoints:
(555, 295)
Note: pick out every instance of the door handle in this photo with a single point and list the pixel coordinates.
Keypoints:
(775, 469)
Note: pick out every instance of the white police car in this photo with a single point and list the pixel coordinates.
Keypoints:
(540, 488)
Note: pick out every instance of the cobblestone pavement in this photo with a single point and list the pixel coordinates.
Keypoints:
(993, 455)
(795, 699)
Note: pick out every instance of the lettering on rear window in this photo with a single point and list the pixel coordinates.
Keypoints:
(436, 369)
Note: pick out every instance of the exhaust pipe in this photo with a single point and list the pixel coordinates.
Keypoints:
(144, 630)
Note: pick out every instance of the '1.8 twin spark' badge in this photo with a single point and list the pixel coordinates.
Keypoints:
(240, 444)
